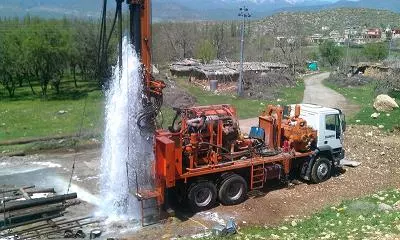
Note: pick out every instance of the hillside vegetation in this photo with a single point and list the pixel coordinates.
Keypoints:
(335, 19)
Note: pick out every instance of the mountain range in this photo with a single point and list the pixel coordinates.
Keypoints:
(181, 10)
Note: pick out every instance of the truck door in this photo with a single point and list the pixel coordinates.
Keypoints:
(333, 131)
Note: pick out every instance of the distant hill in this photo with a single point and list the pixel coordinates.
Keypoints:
(185, 9)
(325, 21)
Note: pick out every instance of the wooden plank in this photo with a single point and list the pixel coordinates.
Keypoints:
(25, 194)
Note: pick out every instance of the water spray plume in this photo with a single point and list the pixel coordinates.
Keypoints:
(123, 141)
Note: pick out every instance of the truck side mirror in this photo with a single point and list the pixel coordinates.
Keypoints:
(343, 118)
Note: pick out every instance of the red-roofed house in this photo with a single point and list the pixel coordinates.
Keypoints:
(373, 33)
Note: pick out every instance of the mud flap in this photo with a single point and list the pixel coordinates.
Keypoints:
(307, 166)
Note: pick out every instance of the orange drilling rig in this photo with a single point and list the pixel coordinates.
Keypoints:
(204, 158)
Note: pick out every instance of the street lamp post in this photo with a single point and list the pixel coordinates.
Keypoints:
(244, 13)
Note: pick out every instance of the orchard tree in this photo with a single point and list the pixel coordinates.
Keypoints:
(206, 51)
(48, 53)
(8, 66)
(330, 52)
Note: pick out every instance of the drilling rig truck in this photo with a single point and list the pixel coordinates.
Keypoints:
(204, 158)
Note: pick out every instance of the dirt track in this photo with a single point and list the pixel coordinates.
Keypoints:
(316, 93)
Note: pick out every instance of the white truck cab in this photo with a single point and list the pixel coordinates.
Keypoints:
(330, 124)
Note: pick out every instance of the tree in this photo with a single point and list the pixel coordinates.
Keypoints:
(8, 65)
(218, 39)
(376, 51)
(48, 48)
(84, 51)
(206, 51)
(330, 52)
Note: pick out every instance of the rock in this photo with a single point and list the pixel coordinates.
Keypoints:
(357, 121)
(294, 223)
(274, 236)
(375, 115)
(62, 112)
(384, 207)
(384, 103)
(387, 114)
(381, 126)
(396, 206)
(154, 70)
(383, 153)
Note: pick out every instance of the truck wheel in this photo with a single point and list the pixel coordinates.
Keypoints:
(202, 196)
(233, 190)
(321, 171)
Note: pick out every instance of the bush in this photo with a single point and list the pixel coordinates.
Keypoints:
(376, 51)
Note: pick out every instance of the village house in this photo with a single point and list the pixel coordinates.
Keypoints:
(396, 33)
(335, 36)
(373, 33)
(316, 38)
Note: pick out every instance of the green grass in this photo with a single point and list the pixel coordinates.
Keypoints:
(364, 96)
(353, 219)
(34, 147)
(29, 116)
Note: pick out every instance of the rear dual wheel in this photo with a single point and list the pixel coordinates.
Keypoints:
(232, 190)
(202, 196)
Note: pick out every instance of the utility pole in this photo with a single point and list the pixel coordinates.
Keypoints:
(244, 13)
(349, 29)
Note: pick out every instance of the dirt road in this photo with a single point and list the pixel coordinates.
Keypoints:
(316, 93)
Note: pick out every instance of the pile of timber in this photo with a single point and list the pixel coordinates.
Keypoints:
(220, 70)
(27, 205)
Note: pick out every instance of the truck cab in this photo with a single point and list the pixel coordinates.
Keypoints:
(330, 124)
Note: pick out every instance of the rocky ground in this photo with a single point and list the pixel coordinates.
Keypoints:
(378, 153)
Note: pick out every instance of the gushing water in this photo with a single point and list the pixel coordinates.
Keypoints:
(123, 141)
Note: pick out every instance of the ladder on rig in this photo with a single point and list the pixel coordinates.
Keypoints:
(257, 176)
(150, 210)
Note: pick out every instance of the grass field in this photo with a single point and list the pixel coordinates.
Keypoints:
(365, 96)
(27, 116)
(364, 218)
